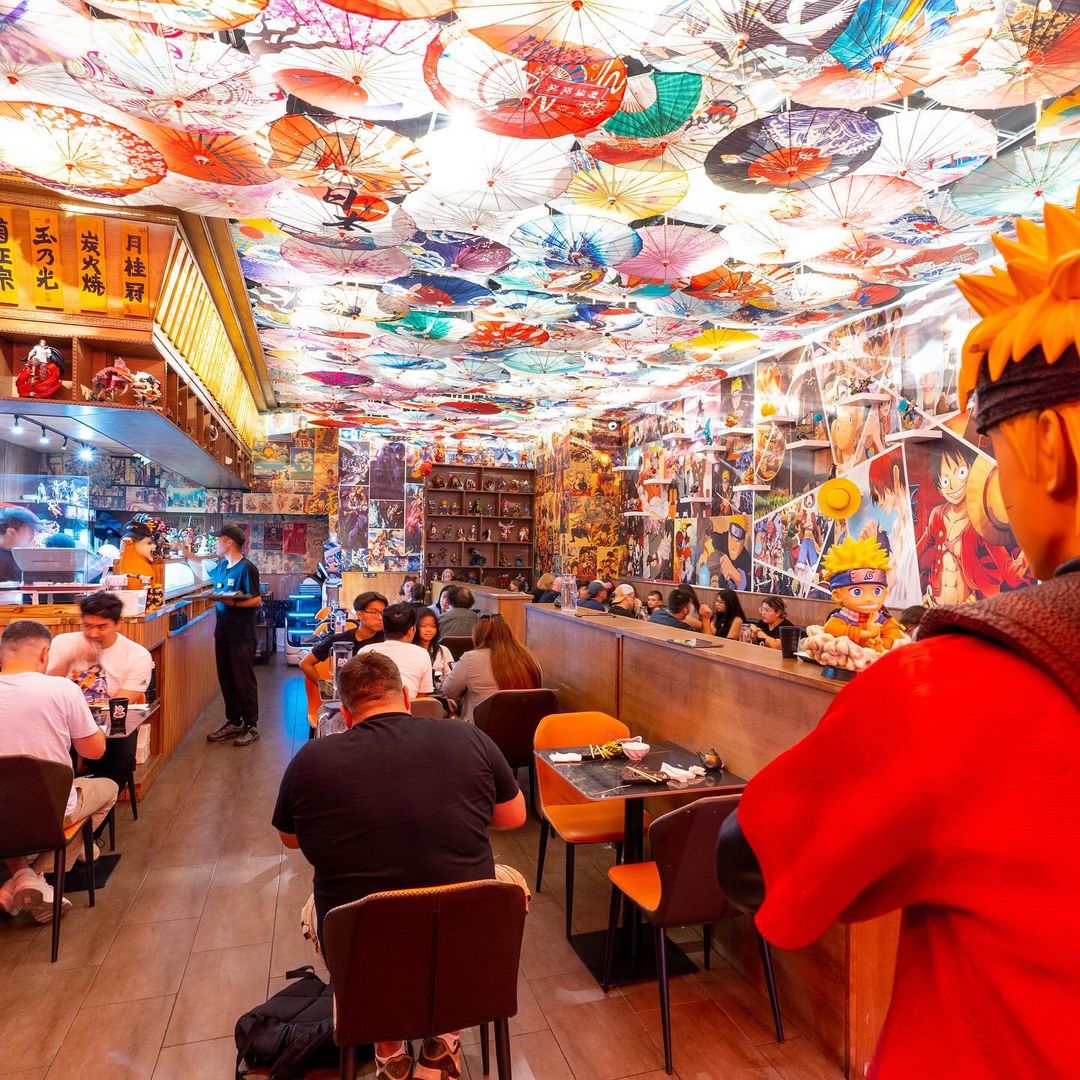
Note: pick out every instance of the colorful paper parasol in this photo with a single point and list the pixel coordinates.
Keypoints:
(541, 362)
(712, 346)
(45, 30)
(767, 240)
(336, 264)
(439, 253)
(624, 194)
(349, 379)
(352, 153)
(207, 200)
(443, 293)
(803, 148)
(856, 202)
(496, 336)
(1060, 120)
(529, 307)
(395, 9)
(1033, 53)
(1020, 181)
(578, 241)
(927, 264)
(31, 72)
(323, 216)
(182, 80)
(75, 151)
(212, 159)
(523, 99)
(674, 252)
(932, 147)
(195, 16)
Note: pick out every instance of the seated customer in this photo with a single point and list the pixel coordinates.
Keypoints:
(773, 613)
(543, 585)
(680, 604)
(654, 601)
(497, 662)
(552, 594)
(596, 595)
(413, 662)
(728, 615)
(460, 619)
(427, 637)
(910, 618)
(395, 802)
(43, 717)
(369, 607)
(624, 601)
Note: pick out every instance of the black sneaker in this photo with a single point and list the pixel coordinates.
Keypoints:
(228, 730)
(247, 737)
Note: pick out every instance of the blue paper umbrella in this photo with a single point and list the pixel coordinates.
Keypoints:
(424, 326)
(578, 241)
(542, 362)
(438, 251)
(401, 362)
(442, 293)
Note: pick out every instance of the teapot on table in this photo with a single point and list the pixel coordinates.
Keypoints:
(711, 760)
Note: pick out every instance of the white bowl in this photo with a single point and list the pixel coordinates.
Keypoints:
(635, 751)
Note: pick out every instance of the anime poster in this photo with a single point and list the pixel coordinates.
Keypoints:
(230, 501)
(792, 540)
(273, 536)
(736, 403)
(144, 500)
(722, 556)
(353, 514)
(932, 338)
(635, 556)
(685, 538)
(414, 518)
(295, 538)
(607, 563)
(725, 499)
(387, 515)
(659, 542)
(185, 497)
(257, 503)
(387, 470)
(287, 503)
(965, 548)
(271, 459)
(353, 463)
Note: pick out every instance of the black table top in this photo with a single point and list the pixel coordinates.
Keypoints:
(598, 780)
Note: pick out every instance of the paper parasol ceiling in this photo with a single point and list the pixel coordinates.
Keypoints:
(492, 216)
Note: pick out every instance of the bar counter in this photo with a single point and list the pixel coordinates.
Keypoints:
(180, 637)
(751, 704)
(510, 605)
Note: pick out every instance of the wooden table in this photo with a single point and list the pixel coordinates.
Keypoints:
(600, 781)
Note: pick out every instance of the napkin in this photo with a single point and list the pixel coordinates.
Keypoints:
(559, 758)
(683, 776)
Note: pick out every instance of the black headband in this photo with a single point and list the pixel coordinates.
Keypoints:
(1025, 386)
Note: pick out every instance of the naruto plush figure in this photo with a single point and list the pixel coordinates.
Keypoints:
(942, 781)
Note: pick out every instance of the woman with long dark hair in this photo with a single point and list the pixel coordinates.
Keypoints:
(497, 661)
(427, 637)
(728, 614)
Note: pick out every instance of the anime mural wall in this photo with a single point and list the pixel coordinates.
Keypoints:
(724, 485)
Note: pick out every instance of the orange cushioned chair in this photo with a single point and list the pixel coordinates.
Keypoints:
(314, 698)
(680, 888)
(564, 810)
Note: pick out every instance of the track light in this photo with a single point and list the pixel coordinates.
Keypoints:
(63, 445)
(43, 437)
(16, 428)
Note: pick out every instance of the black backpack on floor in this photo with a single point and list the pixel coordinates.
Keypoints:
(292, 1032)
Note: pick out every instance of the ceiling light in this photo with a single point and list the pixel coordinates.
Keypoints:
(16, 428)
(44, 436)
(63, 445)
(86, 453)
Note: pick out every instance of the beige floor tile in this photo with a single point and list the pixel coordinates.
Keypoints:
(36, 1011)
(800, 1059)
(291, 948)
(530, 1017)
(214, 1059)
(742, 1002)
(248, 860)
(645, 996)
(113, 1042)
(237, 915)
(599, 1034)
(535, 1056)
(171, 892)
(217, 989)
(147, 960)
(545, 950)
(191, 842)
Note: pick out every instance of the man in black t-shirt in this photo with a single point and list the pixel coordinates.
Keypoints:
(234, 637)
(369, 607)
(18, 528)
(395, 802)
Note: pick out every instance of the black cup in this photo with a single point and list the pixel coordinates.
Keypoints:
(118, 714)
(789, 641)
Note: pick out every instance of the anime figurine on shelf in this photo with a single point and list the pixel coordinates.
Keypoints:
(432, 532)
(472, 531)
(111, 383)
(519, 561)
(475, 558)
(441, 557)
(444, 506)
(448, 533)
(455, 483)
(502, 483)
(856, 571)
(489, 484)
(431, 506)
(486, 536)
(438, 482)
(146, 389)
(523, 535)
(41, 373)
(470, 484)
(505, 528)
(461, 534)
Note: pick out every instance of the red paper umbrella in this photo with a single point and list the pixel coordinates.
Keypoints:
(493, 336)
(522, 99)
(795, 149)
(1033, 54)
(336, 264)
(352, 153)
(197, 16)
(671, 253)
(470, 408)
(930, 264)
(76, 151)
(213, 159)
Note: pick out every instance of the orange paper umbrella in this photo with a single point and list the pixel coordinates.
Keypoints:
(213, 159)
(395, 10)
(76, 151)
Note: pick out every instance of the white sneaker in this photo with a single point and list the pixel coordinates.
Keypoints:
(34, 895)
(7, 897)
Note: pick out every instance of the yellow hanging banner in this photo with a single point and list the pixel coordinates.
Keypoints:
(135, 273)
(9, 290)
(93, 286)
(48, 287)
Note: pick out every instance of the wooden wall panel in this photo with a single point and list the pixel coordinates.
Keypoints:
(188, 679)
(580, 659)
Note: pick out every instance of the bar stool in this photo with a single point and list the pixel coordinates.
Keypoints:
(417, 963)
(679, 888)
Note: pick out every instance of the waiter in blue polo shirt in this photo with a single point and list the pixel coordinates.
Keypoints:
(234, 637)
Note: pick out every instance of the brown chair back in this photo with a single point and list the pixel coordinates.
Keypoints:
(683, 846)
(419, 962)
(428, 707)
(33, 797)
(510, 719)
(458, 646)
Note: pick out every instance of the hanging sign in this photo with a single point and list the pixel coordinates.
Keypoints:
(9, 292)
(90, 237)
(48, 289)
(135, 275)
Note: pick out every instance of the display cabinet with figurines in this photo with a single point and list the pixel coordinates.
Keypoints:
(479, 518)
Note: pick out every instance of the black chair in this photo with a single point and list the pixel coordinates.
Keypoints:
(33, 797)
(510, 719)
(458, 646)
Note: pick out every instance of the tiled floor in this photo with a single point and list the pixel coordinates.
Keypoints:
(200, 921)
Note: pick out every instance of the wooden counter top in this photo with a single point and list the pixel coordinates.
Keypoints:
(494, 601)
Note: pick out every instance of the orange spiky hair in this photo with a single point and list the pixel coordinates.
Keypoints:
(1030, 307)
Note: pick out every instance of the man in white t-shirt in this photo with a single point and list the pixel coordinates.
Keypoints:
(43, 717)
(413, 661)
(103, 662)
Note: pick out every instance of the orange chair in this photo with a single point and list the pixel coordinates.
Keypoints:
(563, 810)
(314, 698)
(680, 888)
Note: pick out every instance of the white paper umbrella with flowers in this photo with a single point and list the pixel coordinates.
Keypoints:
(207, 200)
(330, 217)
(75, 151)
(529, 307)
(170, 77)
(1021, 181)
(932, 147)
(336, 264)
(30, 72)
(59, 28)
(195, 16)
(623, 194)
(856, 202)
(673, 252)
(494, 173)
